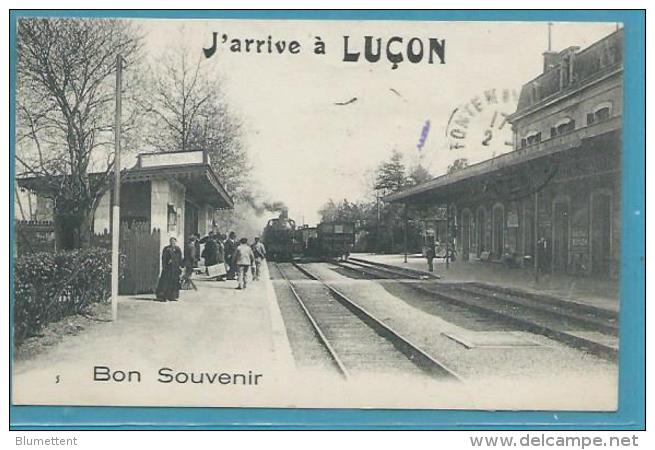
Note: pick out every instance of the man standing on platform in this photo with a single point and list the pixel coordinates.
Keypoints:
(229, 249)
(260, 254)
(243, 259)
(197, 249)
(190, 259)
(430, 255)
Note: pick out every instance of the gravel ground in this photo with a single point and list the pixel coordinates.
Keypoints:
(551, 374)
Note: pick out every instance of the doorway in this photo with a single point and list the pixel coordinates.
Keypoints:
(482, 226)
(190, 219)
(498, 237)
(601, 215)
(466, 234)
(560, 236)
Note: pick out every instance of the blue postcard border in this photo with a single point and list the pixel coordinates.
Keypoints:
(632, 358)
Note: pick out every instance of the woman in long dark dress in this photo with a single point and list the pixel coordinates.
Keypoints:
(168, 287)
(211, 252)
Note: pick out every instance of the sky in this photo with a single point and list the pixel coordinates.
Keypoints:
(305, 149)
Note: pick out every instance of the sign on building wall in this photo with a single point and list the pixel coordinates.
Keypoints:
(170, 159)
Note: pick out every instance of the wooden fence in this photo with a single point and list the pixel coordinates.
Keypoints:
(140, 248)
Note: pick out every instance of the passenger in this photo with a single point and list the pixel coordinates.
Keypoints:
(346, 252)
(220, 256)
(220, 249)
(259, 251)
(242, 259)
(543, 250)
(430, 255)
(228, 250)
(168, 287)
(508, 259)
(197, 245)
(190, 258)
(210, 252)
(208, 237)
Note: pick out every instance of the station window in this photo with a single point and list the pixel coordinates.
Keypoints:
(533, 138)
(600, 113)
(564, 126)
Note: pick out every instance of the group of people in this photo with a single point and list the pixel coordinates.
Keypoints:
(237, 257)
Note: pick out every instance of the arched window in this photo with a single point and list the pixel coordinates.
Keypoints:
(563, 126)
(531, 137)
(602, 111)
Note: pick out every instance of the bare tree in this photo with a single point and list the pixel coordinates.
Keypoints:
(189, 112)
(64, 104)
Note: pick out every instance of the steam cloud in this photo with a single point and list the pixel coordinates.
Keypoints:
(261, 207)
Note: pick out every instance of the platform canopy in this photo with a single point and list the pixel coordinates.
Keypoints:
(191, 169)
(518, 173)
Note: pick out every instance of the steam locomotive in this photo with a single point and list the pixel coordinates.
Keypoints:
(283, 240)
(279, 237)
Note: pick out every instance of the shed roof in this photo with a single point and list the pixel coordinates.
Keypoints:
(196, 174)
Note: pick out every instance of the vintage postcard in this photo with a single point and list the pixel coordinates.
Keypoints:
(251, 212)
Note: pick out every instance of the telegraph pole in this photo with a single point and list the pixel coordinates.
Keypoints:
(377, 223)
(537, 240)
(447, 234)
(116, 209)
(405, 231)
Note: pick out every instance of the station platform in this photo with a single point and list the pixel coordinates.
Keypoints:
(215, 329)
(596, 292)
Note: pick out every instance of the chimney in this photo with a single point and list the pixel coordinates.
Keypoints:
(551, 59)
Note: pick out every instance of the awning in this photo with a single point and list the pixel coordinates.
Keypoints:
(199, 179)
(508, 173)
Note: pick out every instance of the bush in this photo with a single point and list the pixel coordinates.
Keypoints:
(51, 286)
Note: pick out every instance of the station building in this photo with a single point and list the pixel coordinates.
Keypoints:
(174, 192)
(557, 194)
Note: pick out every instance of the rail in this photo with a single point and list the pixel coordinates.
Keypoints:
(341, 368)
(460, 297)
(415, 354)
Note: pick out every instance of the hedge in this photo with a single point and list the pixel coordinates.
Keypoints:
(51, 286)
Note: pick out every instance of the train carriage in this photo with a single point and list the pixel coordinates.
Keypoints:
(335, 239)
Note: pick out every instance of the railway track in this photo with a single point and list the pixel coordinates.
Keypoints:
(355, 339)
(579, 326)
(386, 271)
